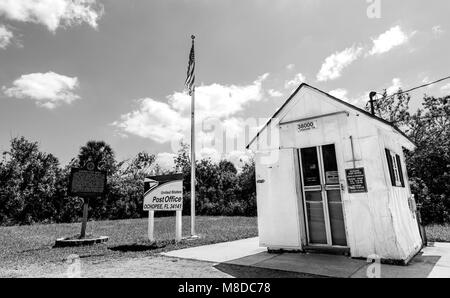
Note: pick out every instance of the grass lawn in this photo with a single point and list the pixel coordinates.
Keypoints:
(21, 245)
(438, 233)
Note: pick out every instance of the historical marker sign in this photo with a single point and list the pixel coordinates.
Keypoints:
(356, 180)
(163, 193)
(87, 183)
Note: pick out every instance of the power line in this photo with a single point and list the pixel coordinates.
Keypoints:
(415, 88)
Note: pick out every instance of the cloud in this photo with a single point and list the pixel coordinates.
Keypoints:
(239, 158)
(396, 84)
(154, 120)
(334, 64)
(388, 40)
(290, 66)
(437, 31)
(209, 153)
(53, 13)
(169, 121)
(218, 100)
(295, 82)
(445, 88)
(5, 37)
(340, 93)
(48, 90)
(166, 161)
(274, 93)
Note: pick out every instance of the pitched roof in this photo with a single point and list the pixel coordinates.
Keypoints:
(334, 98)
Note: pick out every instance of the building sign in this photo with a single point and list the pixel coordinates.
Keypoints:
(356, 180)
(307, 125)
(163, 193)
(86, 182)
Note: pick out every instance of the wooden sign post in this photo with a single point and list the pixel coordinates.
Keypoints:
(164, 193)
(87, 182)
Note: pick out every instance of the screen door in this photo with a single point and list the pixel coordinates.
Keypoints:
(322, 196)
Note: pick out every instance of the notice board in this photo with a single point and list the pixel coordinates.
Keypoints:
(356, 180)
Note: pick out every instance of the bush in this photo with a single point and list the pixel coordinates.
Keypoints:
(33, 188)
(433, 208)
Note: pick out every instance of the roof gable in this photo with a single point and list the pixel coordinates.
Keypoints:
(359, 110)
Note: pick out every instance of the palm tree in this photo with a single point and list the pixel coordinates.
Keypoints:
(100, 153)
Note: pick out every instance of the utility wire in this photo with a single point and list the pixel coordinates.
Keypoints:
(412, 89)
(415, 88)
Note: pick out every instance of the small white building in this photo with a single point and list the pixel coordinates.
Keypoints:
(331, 176)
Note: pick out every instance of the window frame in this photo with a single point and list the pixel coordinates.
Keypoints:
(395, 169)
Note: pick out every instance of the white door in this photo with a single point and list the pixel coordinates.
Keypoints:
(322, 196)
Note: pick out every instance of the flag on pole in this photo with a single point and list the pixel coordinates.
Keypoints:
(190, 78)
(190, 86)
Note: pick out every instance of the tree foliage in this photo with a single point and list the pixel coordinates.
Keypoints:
(100, 153)
(33, 187)
(29, 180)
(429, 164)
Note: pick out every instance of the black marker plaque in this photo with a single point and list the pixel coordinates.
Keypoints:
(356, 180)
(87, 183)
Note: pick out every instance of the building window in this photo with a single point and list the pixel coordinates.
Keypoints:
(395, 168)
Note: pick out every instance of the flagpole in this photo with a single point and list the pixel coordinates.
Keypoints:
(193, 156)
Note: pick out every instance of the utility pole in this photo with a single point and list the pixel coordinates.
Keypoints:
(372, 101)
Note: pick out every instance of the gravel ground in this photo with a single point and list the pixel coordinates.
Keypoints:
(27, 251)
(145, 267)
(156, 266)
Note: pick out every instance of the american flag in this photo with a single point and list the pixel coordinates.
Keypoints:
(190, 79)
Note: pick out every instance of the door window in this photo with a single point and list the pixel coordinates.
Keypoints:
(323, 203)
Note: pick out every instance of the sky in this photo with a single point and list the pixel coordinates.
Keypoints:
(112, 70)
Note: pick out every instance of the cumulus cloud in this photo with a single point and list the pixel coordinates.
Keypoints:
(216, 109)
(165, 161)
(437, 30)
(48, 90)
(290, 66)
(153, 120)
(274, 93)
(334, 64)
(340, 93)
(218, 100)
(52, 13)
(295, 82)
(396, 84)
(446, 88)
(211, 154)
(5, 37)
(388, 40)
(239, 158)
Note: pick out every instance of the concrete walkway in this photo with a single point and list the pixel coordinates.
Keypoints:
(220, 252)
(433, 261)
